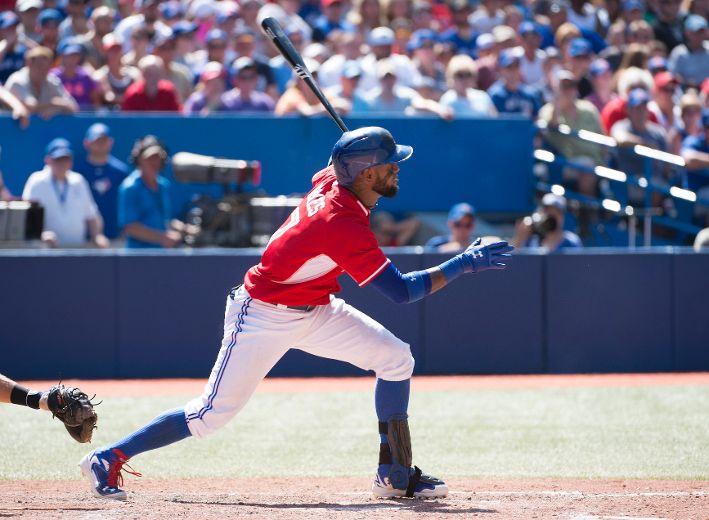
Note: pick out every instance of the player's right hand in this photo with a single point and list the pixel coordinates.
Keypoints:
(478, 257)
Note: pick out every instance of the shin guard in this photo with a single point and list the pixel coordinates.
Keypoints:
(397, 431)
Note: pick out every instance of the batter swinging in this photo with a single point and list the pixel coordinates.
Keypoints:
(287, 301)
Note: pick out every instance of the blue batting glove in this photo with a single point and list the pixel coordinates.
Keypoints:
(477, 258)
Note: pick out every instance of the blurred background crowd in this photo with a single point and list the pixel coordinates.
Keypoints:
(633, 70)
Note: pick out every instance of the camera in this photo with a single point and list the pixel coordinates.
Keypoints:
(541, 223)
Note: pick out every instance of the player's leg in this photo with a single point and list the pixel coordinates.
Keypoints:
(248, 352)
(342, 332)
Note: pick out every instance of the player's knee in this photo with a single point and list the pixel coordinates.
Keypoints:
(400, 364)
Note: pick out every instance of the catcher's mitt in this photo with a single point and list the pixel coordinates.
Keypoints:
(74, 408)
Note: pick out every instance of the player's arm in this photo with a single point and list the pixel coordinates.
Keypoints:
(13, 393)
(415, 285)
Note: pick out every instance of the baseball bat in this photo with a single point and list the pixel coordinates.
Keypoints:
(274, 31)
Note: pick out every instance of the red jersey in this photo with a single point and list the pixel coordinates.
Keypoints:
(614, 111)
(326, 235)
(165, 100)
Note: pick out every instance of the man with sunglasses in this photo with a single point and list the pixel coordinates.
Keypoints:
(461, 224)
(579, 114)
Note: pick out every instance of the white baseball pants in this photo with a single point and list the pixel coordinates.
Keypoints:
(257, 334)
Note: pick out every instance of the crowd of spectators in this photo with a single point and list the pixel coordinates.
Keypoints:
(449, 58)
(635, 70)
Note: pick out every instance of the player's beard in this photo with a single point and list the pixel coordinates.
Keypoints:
(385, 190)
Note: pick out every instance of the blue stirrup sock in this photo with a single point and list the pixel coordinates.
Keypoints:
(390, 398)
(165, 429)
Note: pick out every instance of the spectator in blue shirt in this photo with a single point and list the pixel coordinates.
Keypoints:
(461, 224)
(508, 94)
(695, 151)
(104, 174)
(12, 52)
(332, 18)
(144, 210)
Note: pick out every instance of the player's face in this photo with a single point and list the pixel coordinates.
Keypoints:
(386, 181)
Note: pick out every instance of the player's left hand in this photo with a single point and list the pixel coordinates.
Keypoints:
(478, 257)
(74, 408)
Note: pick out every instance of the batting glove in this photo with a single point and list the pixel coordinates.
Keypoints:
(477, 257)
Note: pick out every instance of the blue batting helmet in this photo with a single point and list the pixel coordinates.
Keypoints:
(363, 148)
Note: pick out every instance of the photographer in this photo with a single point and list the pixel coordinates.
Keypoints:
(144, 200)
(545, 228)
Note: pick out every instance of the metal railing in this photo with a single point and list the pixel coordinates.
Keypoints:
(645, 182)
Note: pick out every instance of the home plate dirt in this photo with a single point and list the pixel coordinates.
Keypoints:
(348, 499)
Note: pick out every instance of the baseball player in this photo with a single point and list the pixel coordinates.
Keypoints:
(70, 405)
(288, 301)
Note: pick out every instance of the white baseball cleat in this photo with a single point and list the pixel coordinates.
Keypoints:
(103, 470)
(420, 486)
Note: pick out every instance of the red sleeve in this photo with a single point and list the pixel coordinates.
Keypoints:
(354, 248)
(171, 101)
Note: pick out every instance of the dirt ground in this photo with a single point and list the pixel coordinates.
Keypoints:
(349, 498)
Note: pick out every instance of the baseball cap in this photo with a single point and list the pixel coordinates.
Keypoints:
(59, 147)
(183, 27)
(39, 52)
(216, 34)
(228, 14)
(244, 62)
(328, 3)
(460, 210)
(459, 5)
(633, 5)
(419, 38)
(565, 75)
(381, 36)
(96, 131)
(551, 200)
(665, 78)
(213, 70)
(25, 5)
(111, 41)
(656, 64)
(503, 33)
(48, 16)
(202, 9)
(171, 10)
(579, 47)
(8, 19)
(599, 66)
(527, 27)
(485, 41)
(509, 57)
(244, 32)
(351, 69)
(695, 22)
(637, 97)
(69, 46)
(421, 5)
(385, 68)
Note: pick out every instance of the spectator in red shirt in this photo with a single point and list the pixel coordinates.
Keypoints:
(615, 109)
(153, 92)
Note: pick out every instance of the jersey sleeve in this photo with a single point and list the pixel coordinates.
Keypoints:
(357, 252)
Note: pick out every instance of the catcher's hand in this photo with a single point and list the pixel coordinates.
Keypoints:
(74, 408)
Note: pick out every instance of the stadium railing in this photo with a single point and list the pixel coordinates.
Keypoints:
(685, 199)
